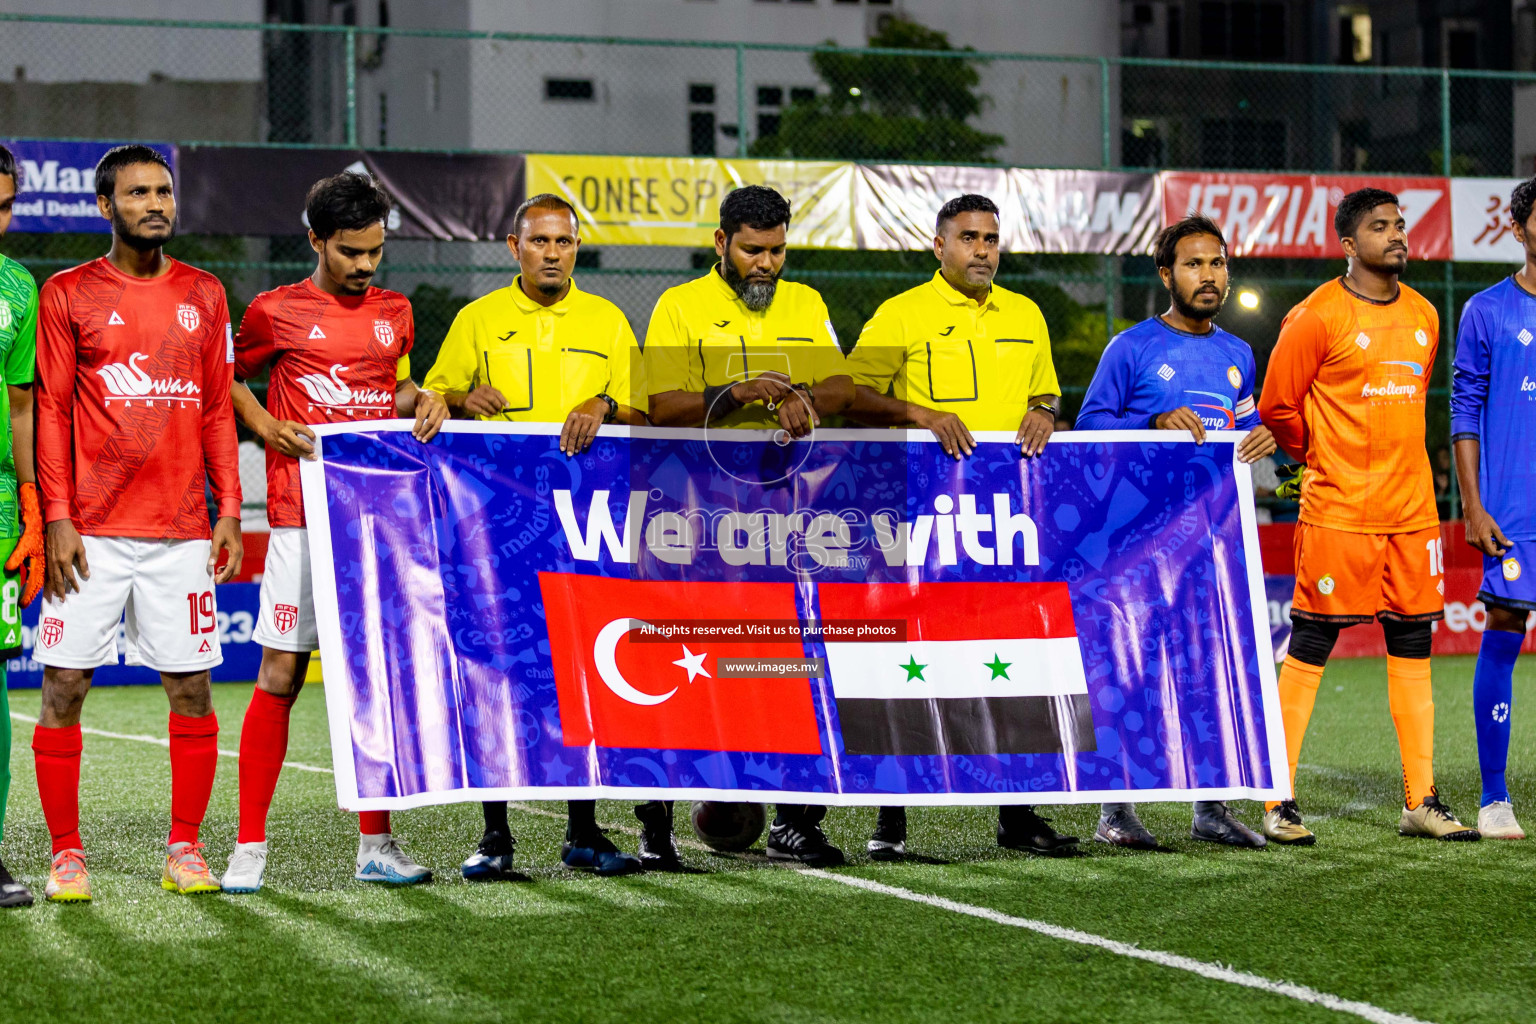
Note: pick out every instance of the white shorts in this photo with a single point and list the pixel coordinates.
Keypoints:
(287, 618)
(172, 622)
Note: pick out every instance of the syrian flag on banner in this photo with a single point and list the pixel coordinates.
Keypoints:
(987, 668)
(617, 691)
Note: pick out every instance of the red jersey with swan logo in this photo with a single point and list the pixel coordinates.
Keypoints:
(133, 409)
(333, 357)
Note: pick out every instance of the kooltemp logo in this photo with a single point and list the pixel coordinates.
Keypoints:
(1223, 416)
(333, 392)
(1392, 389)
(1527, 385)
(127, 382)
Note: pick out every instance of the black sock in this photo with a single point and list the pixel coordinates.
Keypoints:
(581, 818)
(655, 812)
(496, 818)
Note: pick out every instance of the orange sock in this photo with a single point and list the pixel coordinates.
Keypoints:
(1298, 692)
(1413, 713)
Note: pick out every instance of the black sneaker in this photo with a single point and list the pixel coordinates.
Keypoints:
(1119, 825)
(658, 844)
(1020, 828)
(804, 842)
(890, 839)
(492, 861)
(1214, 822)
(597, 853)
(12, 892)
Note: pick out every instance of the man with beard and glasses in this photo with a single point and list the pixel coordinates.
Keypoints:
(21, 519)
(741, 348)
(956, 354)
(338, 350)
(1345, 394)
(1179, 371)
(542, 350)
(134, 368)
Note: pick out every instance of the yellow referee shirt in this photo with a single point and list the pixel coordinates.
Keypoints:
(935, 347)
(545, 360)
(702, 335)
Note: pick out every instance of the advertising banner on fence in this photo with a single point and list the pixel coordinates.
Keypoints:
(1480, 215)
(655, 200)
(1042, 210)
(256, 191)
(1291, 215)
(58, 184)
(858, 620)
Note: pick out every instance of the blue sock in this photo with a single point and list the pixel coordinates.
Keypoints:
(1492, 694)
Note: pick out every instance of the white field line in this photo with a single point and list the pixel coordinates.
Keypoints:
(1215, 972)
(157, 741)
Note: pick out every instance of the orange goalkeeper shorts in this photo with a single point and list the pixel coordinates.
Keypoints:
(1356, 577)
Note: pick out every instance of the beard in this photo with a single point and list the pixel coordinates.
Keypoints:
(756, 294)
(1187, 308)
(545, 288)
(139, 243)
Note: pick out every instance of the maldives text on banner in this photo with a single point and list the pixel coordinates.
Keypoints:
(499, 621)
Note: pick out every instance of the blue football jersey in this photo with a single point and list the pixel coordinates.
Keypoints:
(1154, 368)
(1493, 398)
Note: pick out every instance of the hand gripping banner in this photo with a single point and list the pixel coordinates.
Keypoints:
(854, 620)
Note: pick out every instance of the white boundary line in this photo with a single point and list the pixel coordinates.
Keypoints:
(1215, 972)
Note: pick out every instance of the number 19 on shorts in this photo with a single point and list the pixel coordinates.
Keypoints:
(200, 613)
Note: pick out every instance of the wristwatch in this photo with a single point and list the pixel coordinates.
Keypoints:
(613, 407)
(1047, 406)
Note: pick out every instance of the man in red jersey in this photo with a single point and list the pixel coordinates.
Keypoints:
(133, 416)
(338, 350)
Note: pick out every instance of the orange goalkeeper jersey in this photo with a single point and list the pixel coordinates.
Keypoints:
(1345, 394)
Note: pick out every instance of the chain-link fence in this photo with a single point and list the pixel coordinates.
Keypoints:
(910, 101)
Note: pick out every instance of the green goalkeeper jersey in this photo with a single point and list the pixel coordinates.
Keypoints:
(18, 356)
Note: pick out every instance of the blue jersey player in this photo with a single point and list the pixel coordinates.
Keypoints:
(1179, 371)
(1493, 431)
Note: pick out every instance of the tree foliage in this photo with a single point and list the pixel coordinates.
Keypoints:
(885, 106)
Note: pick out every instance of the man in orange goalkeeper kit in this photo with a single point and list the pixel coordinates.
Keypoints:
(1345, 395)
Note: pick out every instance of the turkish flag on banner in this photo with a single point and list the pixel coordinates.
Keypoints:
(617, 690)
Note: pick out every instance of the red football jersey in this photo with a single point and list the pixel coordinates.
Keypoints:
(133, 407)
(334, 358)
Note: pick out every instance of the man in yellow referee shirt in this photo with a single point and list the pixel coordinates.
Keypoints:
(542, 350)
(740, 348)
(957, 354)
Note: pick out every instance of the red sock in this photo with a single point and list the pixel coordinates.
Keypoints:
(263, 746)
(56, 753)
(372, 823)
(194, 755)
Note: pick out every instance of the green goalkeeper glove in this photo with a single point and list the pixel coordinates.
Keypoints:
(1290, 482)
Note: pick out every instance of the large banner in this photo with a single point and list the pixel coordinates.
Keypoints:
(658, 200)
(1042, 210)
(858, 620)
(58, 184)
(1480, 215)
(1291, 215)
(230, 190)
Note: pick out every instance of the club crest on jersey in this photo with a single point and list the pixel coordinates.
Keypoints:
(384, 332)
(127, 383)
(1524, 336)
(5, 315)
(1234, 376)
(329, 391)
(1511, 569)
(1325, 585)
(187, 316)
(285, 617)
(53, 631)
(1422, 338)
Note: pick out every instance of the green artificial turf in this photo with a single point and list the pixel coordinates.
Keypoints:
(1437, 931)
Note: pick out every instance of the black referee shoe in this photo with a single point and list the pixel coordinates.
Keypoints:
(805, 842)
(890, 839)
(658, 846)
(1020, 828)
(12, 892)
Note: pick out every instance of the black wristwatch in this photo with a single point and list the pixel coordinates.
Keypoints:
(613, 407)
(1047, 406)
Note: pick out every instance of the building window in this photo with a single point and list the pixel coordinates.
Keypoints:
(1354, 37)
(434, 91)
(383, 119)
(578, 89)
(1242, 144)
(1458, 43)
(701, 119)
(700, 92)
(802, 94)
(1235, 30)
